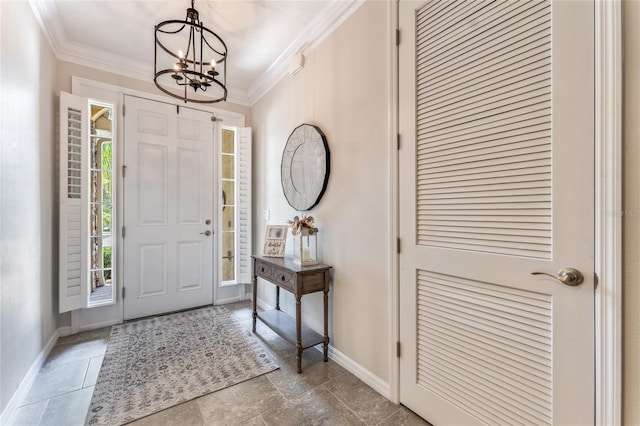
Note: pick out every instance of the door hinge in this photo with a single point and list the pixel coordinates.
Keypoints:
(123, 291)
(398, 141)
(398, 245)
(397, 37)
(178, 109)
(123, 110)
(595, 281)
(124, 171)
(124, 231)
(397, 348)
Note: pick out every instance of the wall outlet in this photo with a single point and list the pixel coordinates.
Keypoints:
(267, 214)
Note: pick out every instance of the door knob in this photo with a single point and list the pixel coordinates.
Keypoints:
(568, 276)
(207, 233)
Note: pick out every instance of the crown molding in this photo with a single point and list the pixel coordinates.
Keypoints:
(50, 22)
(334, 14)
(77, 53)
(320, 28)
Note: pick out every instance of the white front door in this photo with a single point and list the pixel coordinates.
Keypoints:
(168, 208)
(497, 182)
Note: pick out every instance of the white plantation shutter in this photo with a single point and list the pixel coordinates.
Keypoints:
(244, 206)
(73, 203)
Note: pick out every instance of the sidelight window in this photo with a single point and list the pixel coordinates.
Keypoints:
(235, 206)
(87, 203)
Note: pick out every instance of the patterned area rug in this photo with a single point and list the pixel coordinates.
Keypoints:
(156, 363)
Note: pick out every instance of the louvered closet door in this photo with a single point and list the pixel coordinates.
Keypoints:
(496, 177)
(168, 199)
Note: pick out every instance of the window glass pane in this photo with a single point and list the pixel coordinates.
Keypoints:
(106, 186)
(228, 219)
(106, 256)
(106, 219)
(102, 293)
(228, 192)
(228, 166)
(107, 156)
(228, 256)
(228, 137)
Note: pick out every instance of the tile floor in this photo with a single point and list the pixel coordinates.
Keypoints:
(324, 394)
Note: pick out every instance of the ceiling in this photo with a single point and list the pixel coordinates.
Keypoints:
(262, 36)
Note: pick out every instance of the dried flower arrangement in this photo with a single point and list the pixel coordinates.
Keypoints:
(299, 225)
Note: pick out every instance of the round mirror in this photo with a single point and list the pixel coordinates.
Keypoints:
(305, 167)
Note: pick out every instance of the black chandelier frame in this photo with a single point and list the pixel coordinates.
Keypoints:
(191, 72)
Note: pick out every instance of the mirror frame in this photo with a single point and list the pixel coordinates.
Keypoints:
(304, 133)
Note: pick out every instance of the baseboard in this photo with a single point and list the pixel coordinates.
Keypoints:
(230, 300)
(359, 371)
(64, 331)
(25, 385)
(263, 305)
(98, 325)
(376, 383)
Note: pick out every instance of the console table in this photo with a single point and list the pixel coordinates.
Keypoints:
(298, 280)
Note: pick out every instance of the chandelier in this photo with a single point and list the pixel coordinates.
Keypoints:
(199, 72)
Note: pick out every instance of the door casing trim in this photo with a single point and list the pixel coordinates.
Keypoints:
(608, 212)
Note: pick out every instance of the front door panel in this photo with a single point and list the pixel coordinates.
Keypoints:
(168, 199)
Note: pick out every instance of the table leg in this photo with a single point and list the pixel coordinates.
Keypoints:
(277, 298)
(326, 317)
(255, 298)
(298, 335)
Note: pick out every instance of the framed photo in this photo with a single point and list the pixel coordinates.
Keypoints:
(275, 241)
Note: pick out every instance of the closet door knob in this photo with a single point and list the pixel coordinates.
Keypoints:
(567, 276)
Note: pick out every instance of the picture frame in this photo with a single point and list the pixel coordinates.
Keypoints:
(275, 240)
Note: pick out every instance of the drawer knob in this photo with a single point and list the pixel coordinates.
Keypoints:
(283, 278)
(262, 269)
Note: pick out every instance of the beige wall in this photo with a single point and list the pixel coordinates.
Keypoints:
(28, 195)
(343, 89)
(631, 207)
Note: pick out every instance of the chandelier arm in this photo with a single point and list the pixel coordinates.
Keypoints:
(159, 29)
(201, 50)
(170, 22)
(186, 54)
(223, 54)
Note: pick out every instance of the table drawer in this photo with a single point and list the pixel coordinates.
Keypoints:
(281, 277)
(312, 282)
